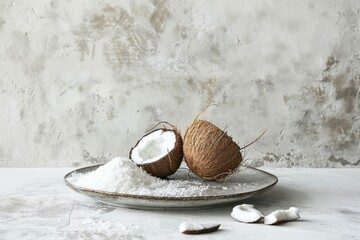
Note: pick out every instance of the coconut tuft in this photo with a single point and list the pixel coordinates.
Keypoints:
(168, 162)
(209, 152)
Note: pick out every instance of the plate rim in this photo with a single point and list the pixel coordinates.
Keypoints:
(84, 190)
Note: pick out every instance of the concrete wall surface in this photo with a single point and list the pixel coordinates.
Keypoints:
(81, 81)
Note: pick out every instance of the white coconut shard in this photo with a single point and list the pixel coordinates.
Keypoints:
(187, 227)
(153, 147)
(280, 216)
(246, 213)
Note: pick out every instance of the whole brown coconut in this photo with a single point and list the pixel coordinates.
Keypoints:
(209, 152)
(170, 159)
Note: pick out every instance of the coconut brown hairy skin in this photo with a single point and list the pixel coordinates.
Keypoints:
(168, 164)
(209, 152)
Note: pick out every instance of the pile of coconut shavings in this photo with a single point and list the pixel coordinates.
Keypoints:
(121, 175)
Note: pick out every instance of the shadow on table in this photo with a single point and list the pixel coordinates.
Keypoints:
(282, 196)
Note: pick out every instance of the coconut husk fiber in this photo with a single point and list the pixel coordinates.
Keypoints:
(209, 152)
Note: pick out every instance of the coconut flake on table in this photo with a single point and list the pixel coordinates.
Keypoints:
(121, 175)
(198, 228)
(246, 213)
(280, 216)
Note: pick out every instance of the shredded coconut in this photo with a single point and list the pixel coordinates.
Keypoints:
(100, 225)
(121, 175)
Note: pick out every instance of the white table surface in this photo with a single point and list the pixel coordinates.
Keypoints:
(36, 204)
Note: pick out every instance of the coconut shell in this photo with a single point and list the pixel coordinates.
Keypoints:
(209, 152)
(168, 164)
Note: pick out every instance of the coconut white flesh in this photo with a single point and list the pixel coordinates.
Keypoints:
(192, 226)
(282, 216)
(246, 213)
(153, 147)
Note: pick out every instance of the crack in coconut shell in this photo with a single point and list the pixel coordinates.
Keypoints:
(209, 152)
(168, 164)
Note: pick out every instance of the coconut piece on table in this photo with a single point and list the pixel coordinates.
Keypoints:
(209, 152)
(159, 152)
(198, 228)
(246, 213)
(280, 216)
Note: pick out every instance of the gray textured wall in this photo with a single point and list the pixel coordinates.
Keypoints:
(80, 81)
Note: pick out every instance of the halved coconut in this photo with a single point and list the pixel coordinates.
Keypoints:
(159, 152)
(209, 152)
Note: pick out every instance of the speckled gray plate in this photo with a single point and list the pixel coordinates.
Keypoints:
(246, 183)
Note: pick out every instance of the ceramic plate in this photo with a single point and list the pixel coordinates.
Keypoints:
(246, 183)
